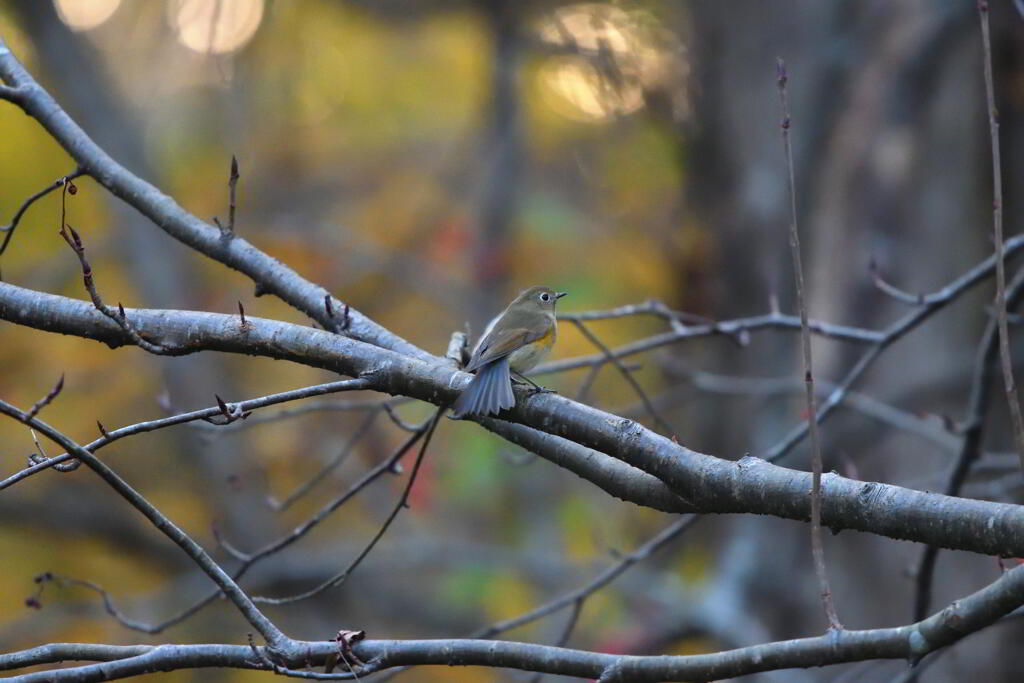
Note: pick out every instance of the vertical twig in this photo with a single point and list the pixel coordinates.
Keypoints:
(997, 223)
(232, 182)
(817, 547)
(228, 231)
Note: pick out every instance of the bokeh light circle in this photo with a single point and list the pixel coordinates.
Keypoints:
(82, 15)
(215, 26)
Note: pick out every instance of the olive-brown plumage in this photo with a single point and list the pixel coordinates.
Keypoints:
(514, 342)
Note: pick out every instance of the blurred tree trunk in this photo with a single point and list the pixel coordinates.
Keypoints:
(887, 149)
(502, 159)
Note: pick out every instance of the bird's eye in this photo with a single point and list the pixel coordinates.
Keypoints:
(545, 297)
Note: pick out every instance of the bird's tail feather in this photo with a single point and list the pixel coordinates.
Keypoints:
(488, 393)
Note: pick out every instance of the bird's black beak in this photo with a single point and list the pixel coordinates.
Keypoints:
(559, 295)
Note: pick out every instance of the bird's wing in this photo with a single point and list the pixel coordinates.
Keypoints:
(501, 343)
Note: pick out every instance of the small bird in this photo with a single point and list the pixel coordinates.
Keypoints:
(513, 342)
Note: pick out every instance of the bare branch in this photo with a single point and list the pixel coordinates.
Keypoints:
(730, 328)
(249, 560)
(649, 307)
(251, 613)
(817, 547)
(592, 338)
(270, 275)
(703, 483)
(397, 420)
(863, 403)
(10, 227)
(403, 502)
(931, 304)
(75, 242)
(957, 620)
(892, 290)
(971, 445)
(1006, 360)
(579, 595)
(46, 400)
(328, 467)
(205, 413)
(338, 405)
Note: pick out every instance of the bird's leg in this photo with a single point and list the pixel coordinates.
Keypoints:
(537, 389)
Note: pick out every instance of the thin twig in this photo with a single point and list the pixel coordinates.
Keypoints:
(249, 560)
(268, 274)
(336, 405)
(109, 436)
(732, 328)
(997, 222)
(257, 619)
(805, 339)
(10, 227)
(328, 467)
(228, 231)
(886, 413)
(579, 595)
(75, 242)
(892, 290)
(930, 304)
(570, 625)
(403, 502)
(396, 419)
(232, 182)
(588, 382)
(592, 338)
(602, 579)
(971, 445)
(46, 400)
(649, 307)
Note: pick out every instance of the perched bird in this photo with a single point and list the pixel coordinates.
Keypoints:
(514, 342)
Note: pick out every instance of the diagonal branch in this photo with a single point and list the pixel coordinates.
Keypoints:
(403, 502)
(700, 482)
(252, 614)
(183, 418)
(328, 467)
(579, 595)
(270, 275)
(621, 367)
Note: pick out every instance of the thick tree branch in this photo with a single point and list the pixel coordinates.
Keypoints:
(270, 275)
(252, 614)
(705, 483)
(957, 620)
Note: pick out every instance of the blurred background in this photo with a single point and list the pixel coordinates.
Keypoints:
(425, 162)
